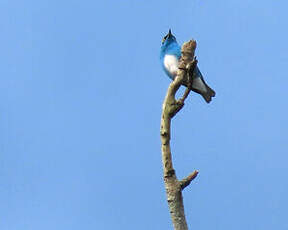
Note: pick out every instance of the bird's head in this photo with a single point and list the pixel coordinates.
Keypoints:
(168, 39)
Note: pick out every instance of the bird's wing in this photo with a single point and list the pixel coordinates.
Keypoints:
(199, 85)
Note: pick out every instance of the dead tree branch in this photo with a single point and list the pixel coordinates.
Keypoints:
(171, 107)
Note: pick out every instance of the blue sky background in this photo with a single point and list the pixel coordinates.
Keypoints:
(81, 90)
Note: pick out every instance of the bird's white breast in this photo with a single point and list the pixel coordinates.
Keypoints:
(171, 64)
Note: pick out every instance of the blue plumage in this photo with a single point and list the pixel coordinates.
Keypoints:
(170, 54)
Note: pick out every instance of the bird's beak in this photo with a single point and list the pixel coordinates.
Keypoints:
(169, 33)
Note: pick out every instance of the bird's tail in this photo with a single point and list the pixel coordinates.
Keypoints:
(208, 94)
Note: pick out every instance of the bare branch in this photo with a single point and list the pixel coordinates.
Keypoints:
(170, 108)
(190, 70)
(186, 181)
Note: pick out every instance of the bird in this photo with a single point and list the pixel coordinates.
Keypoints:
(170, 55)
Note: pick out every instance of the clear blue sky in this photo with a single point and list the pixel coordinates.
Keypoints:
(81, 90)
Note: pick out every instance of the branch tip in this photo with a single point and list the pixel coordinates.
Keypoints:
(186, 181)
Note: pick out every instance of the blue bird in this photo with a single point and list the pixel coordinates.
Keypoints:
(170, 54)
